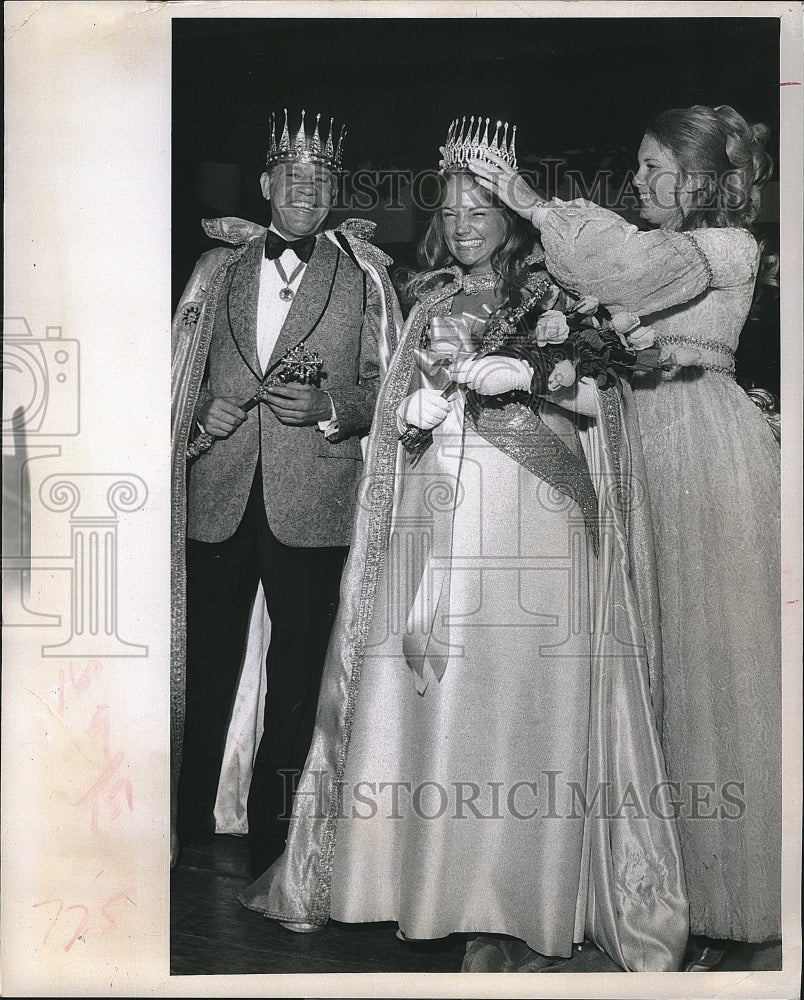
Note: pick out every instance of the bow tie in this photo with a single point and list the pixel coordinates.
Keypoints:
(276, 245)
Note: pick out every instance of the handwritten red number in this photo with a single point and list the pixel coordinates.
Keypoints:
(82, 925)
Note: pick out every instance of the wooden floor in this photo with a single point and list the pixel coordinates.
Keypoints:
(212, 933)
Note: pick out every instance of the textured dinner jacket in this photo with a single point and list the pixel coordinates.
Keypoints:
(309, 482)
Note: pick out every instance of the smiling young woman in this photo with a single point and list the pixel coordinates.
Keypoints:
(475, 230)
(713, 482)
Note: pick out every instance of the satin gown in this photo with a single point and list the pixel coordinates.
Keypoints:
(486, 688)
(713, 474)
(480, 750)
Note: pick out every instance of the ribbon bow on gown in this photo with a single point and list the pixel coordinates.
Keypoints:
(450, 339)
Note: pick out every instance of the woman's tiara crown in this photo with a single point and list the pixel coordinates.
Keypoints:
(304, 147)
(473, 142)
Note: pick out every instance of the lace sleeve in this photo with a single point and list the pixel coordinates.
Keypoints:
(595, 252)
(733, 255)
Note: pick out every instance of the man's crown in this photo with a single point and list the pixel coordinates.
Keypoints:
(465, 143)
(304, 148)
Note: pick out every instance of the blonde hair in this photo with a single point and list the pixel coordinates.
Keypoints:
(433, 253)
(725, 155)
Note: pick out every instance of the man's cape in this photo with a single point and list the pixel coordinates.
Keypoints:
(191, 336)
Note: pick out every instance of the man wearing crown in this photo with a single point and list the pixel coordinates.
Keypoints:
(278, 344)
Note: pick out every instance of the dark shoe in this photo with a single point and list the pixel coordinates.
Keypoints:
(705, 954)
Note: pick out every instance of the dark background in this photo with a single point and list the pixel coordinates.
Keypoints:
(581, 91)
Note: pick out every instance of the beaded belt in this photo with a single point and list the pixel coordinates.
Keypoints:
(704, 345)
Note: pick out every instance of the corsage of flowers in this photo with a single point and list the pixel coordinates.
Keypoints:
(566, 338)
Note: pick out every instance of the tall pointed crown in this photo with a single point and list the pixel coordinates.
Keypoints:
(465, 143)
(304, 146)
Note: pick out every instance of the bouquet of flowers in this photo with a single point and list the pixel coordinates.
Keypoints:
(561, 336)
(566, 338)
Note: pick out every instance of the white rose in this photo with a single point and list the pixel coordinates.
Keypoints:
(551, 328)
(562, 376)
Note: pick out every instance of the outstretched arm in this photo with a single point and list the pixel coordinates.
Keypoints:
(593, 251)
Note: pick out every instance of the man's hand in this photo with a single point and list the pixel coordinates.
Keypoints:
(220, 417)
(298, 405)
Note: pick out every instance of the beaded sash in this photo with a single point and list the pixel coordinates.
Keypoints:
(704, 345)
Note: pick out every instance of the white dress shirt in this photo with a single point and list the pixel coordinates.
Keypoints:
(272, 312)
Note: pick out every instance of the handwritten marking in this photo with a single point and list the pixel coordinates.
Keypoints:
(82, 926)
(92, 669)
(83, 923)
(790, 83)
(69, 920)
(47, 902)
(110, 902)
(103, 780)
(100, 726)
(93, 794)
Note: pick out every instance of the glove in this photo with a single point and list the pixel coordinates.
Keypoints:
(425, 408)
(493, 375)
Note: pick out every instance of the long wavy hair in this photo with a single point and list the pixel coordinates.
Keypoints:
(507, 262)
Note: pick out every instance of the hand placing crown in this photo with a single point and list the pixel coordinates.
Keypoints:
(464, 144)
(305, 147)
(492, 162)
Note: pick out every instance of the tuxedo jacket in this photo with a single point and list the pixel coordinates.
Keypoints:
(309, 482)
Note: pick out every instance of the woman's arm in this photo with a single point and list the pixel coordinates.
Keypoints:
(498, 374)
(595, 252)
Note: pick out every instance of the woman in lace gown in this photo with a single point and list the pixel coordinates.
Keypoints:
(475, 703)
(713, 470)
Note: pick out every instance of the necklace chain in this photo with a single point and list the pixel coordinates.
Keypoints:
(286, 293)
(474, 283)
